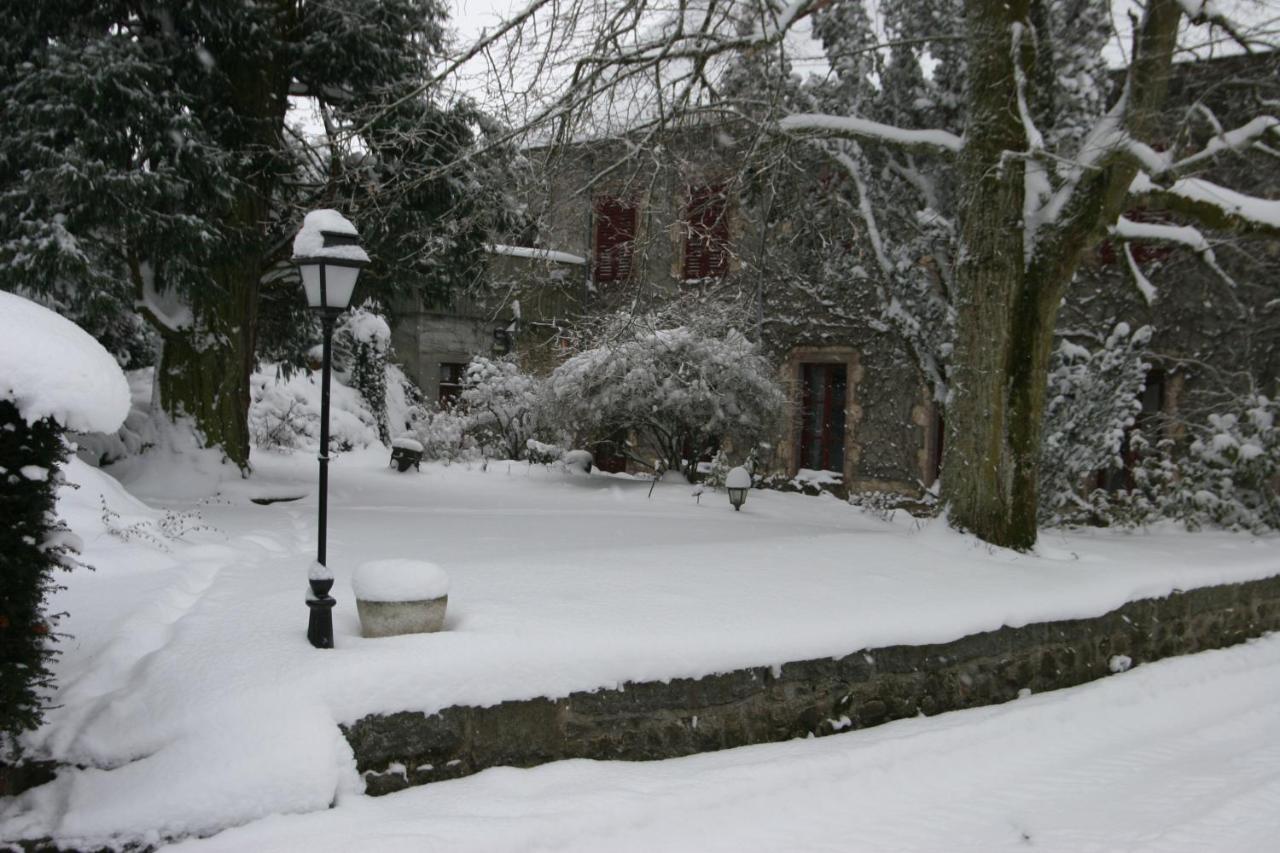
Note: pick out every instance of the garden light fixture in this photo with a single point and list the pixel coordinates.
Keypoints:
(329, 258)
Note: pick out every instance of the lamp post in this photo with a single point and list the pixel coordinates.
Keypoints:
(327, 254)
(737, 482)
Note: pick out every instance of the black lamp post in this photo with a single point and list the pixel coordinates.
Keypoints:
(327, 254)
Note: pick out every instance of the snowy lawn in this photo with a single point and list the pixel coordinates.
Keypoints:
(195, 703)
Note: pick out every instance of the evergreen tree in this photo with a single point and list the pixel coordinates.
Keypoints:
(149, 161)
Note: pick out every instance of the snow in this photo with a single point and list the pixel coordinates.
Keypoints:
(536, 254)
(578, 460)
(737, 478)
(399, 580)
(192, 701)
(367, 327)
(1144, 285)
(860, 127)
(51, 368)
(405, 442)
(1178, 756)
(1260, 211)
(309, 242)
(811, 475)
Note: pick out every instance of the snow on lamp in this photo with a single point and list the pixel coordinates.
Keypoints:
(328, 255)
(329, 258)
(736, 483)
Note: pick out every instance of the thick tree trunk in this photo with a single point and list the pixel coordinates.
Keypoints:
(1007, 303)
(204, 372)
(1003, 334)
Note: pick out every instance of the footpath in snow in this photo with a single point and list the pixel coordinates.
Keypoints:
(194, 703)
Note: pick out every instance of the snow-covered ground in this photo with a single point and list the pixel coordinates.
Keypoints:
(1181, 755)
(194, 702)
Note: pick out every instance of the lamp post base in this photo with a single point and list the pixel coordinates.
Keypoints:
(320, 625)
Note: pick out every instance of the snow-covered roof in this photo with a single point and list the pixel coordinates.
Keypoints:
(310, 240)
(50, 367)
(536, 254)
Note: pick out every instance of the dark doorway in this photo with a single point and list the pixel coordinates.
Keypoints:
(822, 416)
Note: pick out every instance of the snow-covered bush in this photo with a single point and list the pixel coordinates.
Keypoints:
(284, 413)
(1227, 477)
(1092, 400)
(443, 435)
(501, 404)
(54, 377)
(678, 388)
(362, 342)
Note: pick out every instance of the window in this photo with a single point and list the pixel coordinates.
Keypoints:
(615, 238)
(822, 416)
(452, 374)
(706, 242)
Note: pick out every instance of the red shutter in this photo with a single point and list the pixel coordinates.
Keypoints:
(706, 246)
(615, 239)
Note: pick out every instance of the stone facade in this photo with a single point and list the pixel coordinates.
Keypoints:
(1210, 337)
(655, 720)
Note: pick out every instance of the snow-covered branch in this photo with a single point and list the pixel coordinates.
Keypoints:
(1212, 205)
(819, 124)
(1185, 235)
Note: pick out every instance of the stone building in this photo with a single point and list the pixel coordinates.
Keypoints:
(626, 223)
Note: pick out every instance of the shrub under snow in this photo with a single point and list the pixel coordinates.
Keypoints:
(501, 405)
(677, 387)
(1092, 399)
(285, 413)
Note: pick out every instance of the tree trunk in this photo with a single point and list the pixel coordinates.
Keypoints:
(1007, 303)
(204, 372)
(1003, 330)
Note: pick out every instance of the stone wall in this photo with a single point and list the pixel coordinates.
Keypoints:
(654, 720)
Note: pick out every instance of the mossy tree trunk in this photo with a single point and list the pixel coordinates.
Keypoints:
(204, 372)
(1007, 297)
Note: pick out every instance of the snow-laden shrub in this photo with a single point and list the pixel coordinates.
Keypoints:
(1227, 477)
(678, 388)
(362, 343)
(1092, 400)
(443, 435)
(284, 413)
(34, 544)
(502, 405)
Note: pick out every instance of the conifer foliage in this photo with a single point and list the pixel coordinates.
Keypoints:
(34, 545)
(150, 166)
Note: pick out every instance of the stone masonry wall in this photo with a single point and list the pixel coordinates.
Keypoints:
(654, 720)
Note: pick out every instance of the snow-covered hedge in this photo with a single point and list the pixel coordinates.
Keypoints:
(1092, 400)
(679, 388)
(502, 406)
(53, 376)
(1226, 477)
(284, 413)
(363, 340)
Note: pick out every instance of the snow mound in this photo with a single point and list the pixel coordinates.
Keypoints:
(406, 442)
(50, 367)
(310, 240)
(399, 580)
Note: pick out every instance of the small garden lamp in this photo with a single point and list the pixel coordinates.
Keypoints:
(329, 258)
(736, 483)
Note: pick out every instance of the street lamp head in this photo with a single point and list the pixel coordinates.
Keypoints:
(737, 482)
(328, 255)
